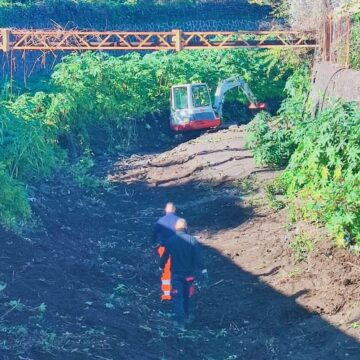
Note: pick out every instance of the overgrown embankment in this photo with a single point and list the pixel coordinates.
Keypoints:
(321, 156)
(96, 103)
(315, 136)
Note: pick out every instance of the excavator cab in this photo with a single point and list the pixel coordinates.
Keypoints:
(191, 108)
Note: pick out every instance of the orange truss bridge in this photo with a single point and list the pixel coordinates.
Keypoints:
(176, 40)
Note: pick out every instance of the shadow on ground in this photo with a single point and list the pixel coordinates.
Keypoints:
(240, 317)
(93, 266)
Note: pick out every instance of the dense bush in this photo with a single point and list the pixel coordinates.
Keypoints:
(97, 91)
(271, 147)
(27, 151)
(355, 43)
(99, 102)
(325, 171)
(274, 139)
(323, 155)
(14, 206)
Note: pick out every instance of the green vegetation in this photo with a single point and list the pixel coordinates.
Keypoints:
(273, 140)
(27, 151)
(355, 43)
(325, 170)
(99, 103)
(302, 246)
(322, 155)
(81, 172)
(271, 192)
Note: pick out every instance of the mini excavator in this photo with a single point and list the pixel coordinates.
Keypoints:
(192, 109)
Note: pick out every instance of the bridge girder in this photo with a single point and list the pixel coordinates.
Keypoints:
(176, 40)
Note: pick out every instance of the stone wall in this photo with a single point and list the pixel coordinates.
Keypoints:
(331, 82)
(227, 15)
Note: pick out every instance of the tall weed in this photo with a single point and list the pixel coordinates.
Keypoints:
(100, 103)
(322, 157)
(100, 96)
(274, 139)
(28, 150)
(325, 170)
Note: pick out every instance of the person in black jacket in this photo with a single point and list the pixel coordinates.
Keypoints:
(185, 260)
(164, 228)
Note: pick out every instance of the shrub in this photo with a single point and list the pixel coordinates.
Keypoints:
(13, 200)
(274, 139)
(355, 43)
(325, 170)
(302, 245)
(324, 153)
(27, 150)
(269, 146)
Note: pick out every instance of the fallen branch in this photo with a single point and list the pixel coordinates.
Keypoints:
(138, 218)
(217, 283)
(8, 312)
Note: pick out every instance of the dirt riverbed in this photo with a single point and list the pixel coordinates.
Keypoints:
(89, 261)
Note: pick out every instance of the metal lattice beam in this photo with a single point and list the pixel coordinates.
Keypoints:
(61, 40)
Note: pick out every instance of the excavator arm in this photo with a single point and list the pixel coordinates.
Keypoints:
(228, 84)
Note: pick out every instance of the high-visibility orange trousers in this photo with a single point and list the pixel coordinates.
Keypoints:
(165, 277)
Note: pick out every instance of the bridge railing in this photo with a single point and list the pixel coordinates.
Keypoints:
(176, 40)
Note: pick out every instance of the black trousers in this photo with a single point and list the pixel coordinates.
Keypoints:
(180, 297)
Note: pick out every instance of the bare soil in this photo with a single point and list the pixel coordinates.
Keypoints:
(89, 259)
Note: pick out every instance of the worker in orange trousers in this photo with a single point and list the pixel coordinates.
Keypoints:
(184, 251)
(165, 229)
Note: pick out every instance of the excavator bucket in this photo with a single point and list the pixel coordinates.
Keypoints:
(257, 106)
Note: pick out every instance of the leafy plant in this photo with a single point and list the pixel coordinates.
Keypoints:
(325, 170)
(81, 173)
(355, 43)
(302, 245)
(42, 308)
(99, 103)
(322, 157)
(16, 305)
(269, 147)
(271, 196)
(274, 139)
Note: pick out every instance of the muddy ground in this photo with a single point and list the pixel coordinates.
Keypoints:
(88, 259)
